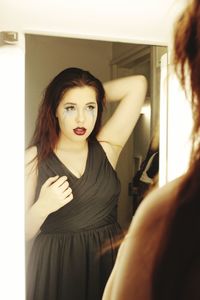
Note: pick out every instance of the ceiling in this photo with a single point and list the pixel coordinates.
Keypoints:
(138, 21)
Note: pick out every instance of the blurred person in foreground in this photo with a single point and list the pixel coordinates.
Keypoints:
(160, 256)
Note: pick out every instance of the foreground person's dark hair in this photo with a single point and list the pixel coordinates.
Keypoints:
(175, 276)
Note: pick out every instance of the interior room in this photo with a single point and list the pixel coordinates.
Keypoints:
(38, 39)
(46, 56)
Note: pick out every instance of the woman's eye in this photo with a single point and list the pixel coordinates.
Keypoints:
(69, 108)
(90, 107)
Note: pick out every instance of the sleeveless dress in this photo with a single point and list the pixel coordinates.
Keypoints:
(74, 253)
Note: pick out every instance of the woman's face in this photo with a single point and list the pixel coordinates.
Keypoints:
(77, 113)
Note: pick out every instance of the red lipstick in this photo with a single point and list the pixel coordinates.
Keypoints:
(79, 130)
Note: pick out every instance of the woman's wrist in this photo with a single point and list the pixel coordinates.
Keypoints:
(42, 208)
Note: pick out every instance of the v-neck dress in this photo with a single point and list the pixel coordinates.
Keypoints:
(74, 253)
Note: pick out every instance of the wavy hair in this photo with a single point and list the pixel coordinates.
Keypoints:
(179, 258)
(187, 60)
(47, 128)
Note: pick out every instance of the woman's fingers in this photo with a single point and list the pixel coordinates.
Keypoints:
(67, 192)
(50, 181)
(64, 186)
(59, 182)
(60, 187)
(69, 198)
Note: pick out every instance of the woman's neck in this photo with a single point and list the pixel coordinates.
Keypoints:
(68, 145)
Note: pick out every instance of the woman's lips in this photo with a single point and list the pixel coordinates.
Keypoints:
(79, 130)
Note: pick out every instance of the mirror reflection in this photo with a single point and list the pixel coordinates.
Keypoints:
(48, 55)
(75, 210)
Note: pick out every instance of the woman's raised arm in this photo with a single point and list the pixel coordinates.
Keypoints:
(131, 92)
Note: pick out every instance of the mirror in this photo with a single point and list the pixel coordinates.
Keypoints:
(48, 55)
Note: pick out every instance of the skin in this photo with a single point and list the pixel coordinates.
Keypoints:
(78, 108)
(72, 149)
(142, 245)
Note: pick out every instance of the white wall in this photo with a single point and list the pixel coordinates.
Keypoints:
(179, 127)
(140, 21)
(12, 171)
(176, 126)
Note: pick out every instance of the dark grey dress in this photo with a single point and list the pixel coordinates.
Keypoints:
(74, 253)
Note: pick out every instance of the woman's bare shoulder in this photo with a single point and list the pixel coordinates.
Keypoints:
(165, 195)
(157, 205)
(31, 167)
(30, 154)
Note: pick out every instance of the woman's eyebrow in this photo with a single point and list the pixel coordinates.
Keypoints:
(70, 103)
(92, 102)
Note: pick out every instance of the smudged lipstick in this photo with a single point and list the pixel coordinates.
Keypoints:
(79, 130)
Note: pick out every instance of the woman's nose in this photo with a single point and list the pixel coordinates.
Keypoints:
(80, 118)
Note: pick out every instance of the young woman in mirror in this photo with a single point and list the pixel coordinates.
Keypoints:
(159, 258)
(72, 187)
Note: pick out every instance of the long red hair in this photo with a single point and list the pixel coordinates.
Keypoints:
(187, 59)
(47, 128)
(172, 277)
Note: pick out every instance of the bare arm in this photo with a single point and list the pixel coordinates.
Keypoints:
(132, 274)
(54, 194)
(130, 91)
(30, 186)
